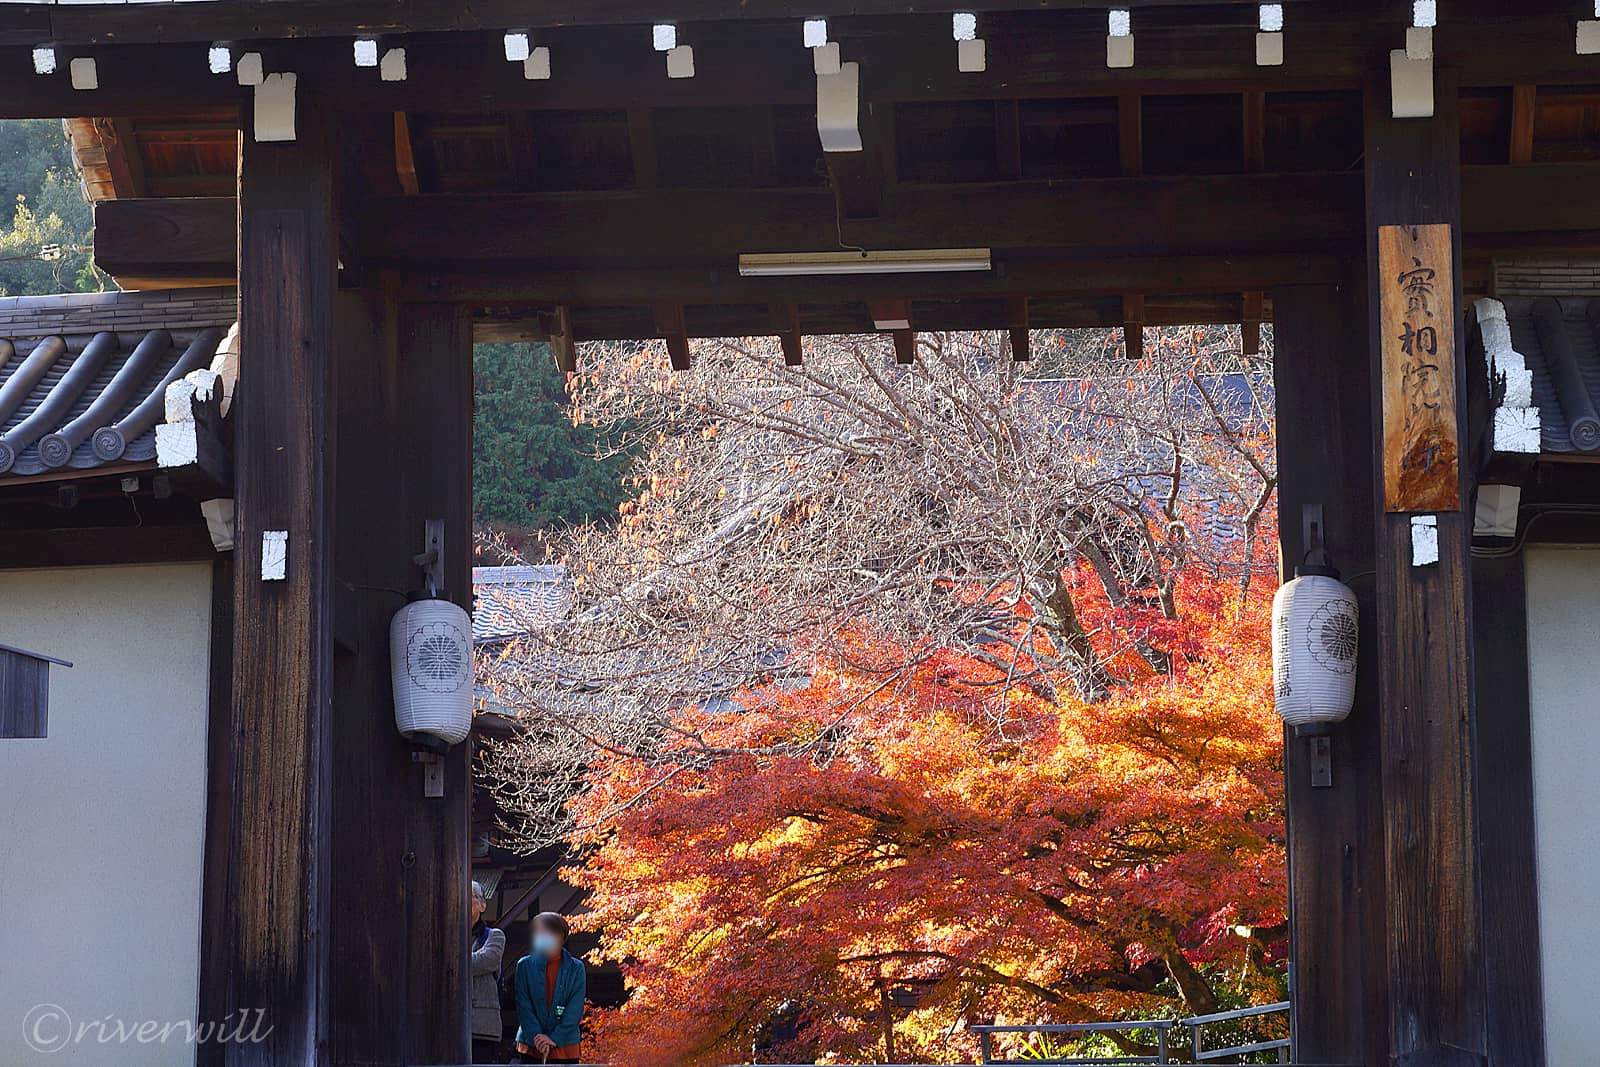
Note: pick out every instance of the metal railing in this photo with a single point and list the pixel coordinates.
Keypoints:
(1195, 1024)
(1202, 1055)
(1160, 1026)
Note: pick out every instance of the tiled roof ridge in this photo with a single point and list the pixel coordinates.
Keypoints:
(27, 317)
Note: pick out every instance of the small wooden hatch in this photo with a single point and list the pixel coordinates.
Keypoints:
(24, 691)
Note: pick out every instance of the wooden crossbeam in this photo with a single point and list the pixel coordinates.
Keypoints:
(562, 346)
(1130, 134)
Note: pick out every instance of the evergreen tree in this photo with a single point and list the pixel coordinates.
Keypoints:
(531, 467)
(42, 204)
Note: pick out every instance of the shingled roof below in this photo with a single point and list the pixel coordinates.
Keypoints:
(83, 377)
(1566, 385)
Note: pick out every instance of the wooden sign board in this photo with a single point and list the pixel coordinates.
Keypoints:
(1416, 296)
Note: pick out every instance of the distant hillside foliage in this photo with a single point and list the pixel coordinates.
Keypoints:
(42, 203)
(532, 468)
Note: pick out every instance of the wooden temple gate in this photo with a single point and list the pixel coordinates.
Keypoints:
(1188, 166)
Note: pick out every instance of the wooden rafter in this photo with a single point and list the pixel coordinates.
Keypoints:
(405, 159)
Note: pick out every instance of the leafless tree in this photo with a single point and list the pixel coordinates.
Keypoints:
(789, 515)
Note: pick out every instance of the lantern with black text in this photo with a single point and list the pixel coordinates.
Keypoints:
(1314, 648)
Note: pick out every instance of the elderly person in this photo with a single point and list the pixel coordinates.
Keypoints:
(551, 984)
(488, 949)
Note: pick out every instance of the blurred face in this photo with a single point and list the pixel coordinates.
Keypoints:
(478, 908)
(546, 942)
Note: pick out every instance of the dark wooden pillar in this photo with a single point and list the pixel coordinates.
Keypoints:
(276, 929)
(1322, 382)
(1513, 975)
(1434, 974)
(400, 893)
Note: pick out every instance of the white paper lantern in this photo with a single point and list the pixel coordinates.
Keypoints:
(1314, 648)
(430, 657)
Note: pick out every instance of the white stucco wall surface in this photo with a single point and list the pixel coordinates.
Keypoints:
(1564, 676)
(102, 822)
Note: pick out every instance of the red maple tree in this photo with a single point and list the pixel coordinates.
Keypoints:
(985, 852)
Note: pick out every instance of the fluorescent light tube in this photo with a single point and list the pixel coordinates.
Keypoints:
(907, 261)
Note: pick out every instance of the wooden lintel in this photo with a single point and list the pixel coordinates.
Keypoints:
(1008, 140)
(669, 324)
(405, 159)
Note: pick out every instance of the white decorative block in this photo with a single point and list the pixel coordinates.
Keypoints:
(1517, 430)
(664, 36)
(827, 59)
(274, 108)
(1419, 42)
(964, 26)
(1424, 13)
(680, 62)
(393, 67)
(1589, 37)
(1519, 385)
(1486, 308)
(516, 45)
(815, 32)
(838, 109)
(1119, 23)
(219, 58)
(972, 57)
(1269, 49)
(1271, 18)
(274, 555)
(1424, 540)
(177, 444)
(1410, 86)
(84, 73)
(1496, 513)
(44, 60)
(251, 70)
(366, 51)
(537, 66)
(1119, 52)
(219, 516)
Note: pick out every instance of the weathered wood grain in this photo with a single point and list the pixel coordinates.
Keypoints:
(1322, 376)
(1434, 973)
(278, 887)
(1417, 312)
(401, 912)
(1513, 974)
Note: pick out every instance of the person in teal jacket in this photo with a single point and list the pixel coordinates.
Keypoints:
(551, 983)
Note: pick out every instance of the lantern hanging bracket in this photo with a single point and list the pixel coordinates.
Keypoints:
(1314, 536)
(431, 558)
(1321, 762)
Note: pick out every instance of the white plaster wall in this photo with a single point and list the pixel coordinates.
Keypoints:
(102, 822)
(1564, 676)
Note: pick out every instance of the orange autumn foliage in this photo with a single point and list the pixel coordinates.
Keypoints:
(1002, 855)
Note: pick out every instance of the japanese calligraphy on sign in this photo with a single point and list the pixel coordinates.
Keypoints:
(1417, 309)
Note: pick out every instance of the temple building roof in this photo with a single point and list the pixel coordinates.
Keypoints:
(84, 377)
